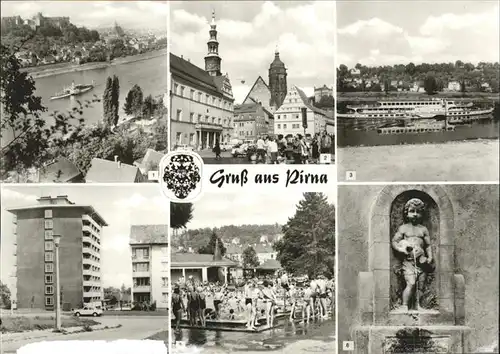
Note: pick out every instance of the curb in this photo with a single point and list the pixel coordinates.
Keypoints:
(49, 333)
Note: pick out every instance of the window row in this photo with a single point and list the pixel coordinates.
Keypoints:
(294, 126)
(198, 96)
(285, 116)
(199, 118)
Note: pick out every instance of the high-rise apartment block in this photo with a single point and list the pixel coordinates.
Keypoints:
(80, 227)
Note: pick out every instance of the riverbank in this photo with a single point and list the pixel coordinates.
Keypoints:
(393, 96)
(454, 161)
(64, 68)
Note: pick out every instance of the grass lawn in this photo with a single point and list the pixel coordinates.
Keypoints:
(30, 323)
(135, 313)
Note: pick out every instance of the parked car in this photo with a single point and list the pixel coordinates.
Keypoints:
(226, 147)
(87, 311)
(239, 150)
(183, 147)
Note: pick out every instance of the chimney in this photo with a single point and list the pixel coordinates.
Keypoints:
(116, 158)
(182, 56)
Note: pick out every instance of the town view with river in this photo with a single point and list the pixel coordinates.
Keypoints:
(150, 74)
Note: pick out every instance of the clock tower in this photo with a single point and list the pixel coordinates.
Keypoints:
(213, 60)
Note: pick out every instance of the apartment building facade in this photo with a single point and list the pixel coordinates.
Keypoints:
(150, 277)
(80, 228)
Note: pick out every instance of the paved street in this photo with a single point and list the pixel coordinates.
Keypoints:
(133, 327)
(226, 158)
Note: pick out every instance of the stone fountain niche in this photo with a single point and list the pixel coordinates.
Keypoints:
(437, 326)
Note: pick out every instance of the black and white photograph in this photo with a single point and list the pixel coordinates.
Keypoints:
(419, 271)
(84, 90)
(79, 267)
(253, 272)
(417, 90)
(252, 81)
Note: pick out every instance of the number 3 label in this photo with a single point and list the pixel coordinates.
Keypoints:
(350, 175)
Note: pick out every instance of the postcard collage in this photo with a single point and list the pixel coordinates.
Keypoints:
(210, 177)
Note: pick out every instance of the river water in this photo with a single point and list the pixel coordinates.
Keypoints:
(297, 338)
(359, 132)
(150, 74)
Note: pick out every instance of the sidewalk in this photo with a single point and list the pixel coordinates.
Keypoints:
(40, 334)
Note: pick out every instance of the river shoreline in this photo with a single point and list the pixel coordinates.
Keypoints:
(405, 96)
(39, 72)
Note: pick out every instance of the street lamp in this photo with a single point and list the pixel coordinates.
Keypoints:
(57, 240)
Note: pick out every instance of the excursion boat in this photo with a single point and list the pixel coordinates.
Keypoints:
(413, 109)
(74, 90)
(417, 127)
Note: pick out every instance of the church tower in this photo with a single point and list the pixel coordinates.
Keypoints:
(277, 81)
(213, 60)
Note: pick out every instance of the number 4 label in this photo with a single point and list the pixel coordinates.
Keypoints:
(350, 175)
(348, 345)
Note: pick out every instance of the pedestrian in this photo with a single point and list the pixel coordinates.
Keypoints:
(261, 150)
(177, 306)
(272, 147)
(315, 147)
(218, 297)
(326, 143)
(249, 303)
(269, 298)
(202, 306)
(304, 154)
(216, 150)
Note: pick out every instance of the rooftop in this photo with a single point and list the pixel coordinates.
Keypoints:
(186, 260)
(105, 171)
(59, 170)
(188, 71)
(148, 234)
(270, 264)
(88, 209)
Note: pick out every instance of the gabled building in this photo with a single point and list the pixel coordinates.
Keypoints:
(252, 120)
(288, 118)
(260, 93)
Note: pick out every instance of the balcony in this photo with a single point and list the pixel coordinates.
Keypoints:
(87, 218)
(88, 230)
(92, 294)
(141, 274)
(142, 288)
(91, 283)
(89, 250)
(140, 259)
(92, 262)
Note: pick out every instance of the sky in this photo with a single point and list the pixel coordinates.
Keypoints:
(128, 14)
(247, 206)
(120, 206)
(399, 32)
(250, 31)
